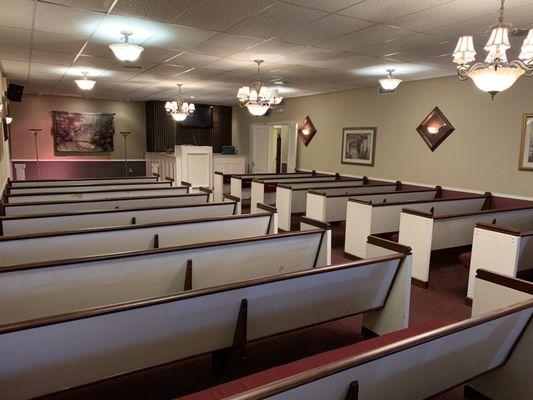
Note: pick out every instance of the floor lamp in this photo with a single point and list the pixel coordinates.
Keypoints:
(125, 135)
(35, 132)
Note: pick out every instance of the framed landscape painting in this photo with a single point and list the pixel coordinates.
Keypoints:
(526, 149)
(358, 146)
(76, 132)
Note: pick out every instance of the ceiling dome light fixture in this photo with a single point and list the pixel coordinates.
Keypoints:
(179, 109)
(258, 99)
(496, 73)
(126, 51)
(84, 83)
(390, 83)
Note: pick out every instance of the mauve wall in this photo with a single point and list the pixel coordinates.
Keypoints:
(34, 112)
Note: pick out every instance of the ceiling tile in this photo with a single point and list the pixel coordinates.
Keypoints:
(193, 59)
(221, 15)
(158, 54)
(51, 57)
(275, 20)
(66, 20)
(95, 5)
(329, 6)
(394, 46)
(177, 37)
(15, 67)
(367, 37)
(324, 29)
(14, 53)
(15, 37)
(225, 44)
(272, 51)
(332, 59)
(56, 42)
(17, 14)
(154, 10)
(383, 10)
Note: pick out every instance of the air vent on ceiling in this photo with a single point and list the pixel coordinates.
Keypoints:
(132, 66)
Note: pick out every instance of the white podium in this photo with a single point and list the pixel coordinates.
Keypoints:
(194, 165)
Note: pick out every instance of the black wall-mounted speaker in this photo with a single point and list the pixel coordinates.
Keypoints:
(14, 92)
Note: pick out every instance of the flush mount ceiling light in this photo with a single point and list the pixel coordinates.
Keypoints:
(179, 109)
(84, 83)
(258, 99)
(389, 83)
(496, 73)
(126, 51)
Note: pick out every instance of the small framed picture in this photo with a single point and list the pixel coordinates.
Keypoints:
(358, 146)
(526, 149)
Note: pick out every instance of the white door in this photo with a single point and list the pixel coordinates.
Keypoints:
(259, 139)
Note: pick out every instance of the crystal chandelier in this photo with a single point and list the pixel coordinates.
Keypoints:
(84, 83)
(179, 109)
(496, 73)
(258, 98)
(389, 83)
(126, 51)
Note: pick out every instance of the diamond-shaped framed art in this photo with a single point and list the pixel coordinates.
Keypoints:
(435, 128)
(307, 131)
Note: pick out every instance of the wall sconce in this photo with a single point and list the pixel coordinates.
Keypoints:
(9, 120)
(306, 131)
(435, 128)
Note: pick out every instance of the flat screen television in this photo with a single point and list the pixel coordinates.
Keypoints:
(201, 118)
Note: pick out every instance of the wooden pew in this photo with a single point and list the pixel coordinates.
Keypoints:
(45, 355)
(366, 216)
(33, 248)
(81, 181)
(57, 222)
(261, 195)
(491, 351)
(48, 207)
(222, 185)
(293, 198)
(87, 188)
(239, 183)
(331, 207)
(507, 250)
(425, 231)
(97, 193)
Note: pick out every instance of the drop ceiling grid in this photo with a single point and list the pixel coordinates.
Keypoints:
(350, 34)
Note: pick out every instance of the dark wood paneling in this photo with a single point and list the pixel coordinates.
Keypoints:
(162, 132)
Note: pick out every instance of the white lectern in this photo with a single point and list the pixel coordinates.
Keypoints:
(194, 164)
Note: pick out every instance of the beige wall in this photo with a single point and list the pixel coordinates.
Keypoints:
(482, 153)
(4, 146)
(34, 112)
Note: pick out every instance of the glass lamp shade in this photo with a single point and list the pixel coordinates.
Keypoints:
(126, 51)
(526, 52)
(257, 110)
(192, 108)
(85, 84)
(275, 98)
(179, 116)
(389, 83)
(493, 80)
(243, 93)
(498, 43)
(464, 52)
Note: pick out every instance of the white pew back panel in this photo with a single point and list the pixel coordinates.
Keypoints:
(88, 188)
(104, 204)
(108, 218)
(425, 232)
(117, 193)
(53, 288)
(66, 351)
(290, 200)
(28, 249)
(500, 249)
(332, 208)
(236, 181)
(89, 181)
(364, 219)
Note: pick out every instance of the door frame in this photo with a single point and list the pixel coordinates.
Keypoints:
(293, 142)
